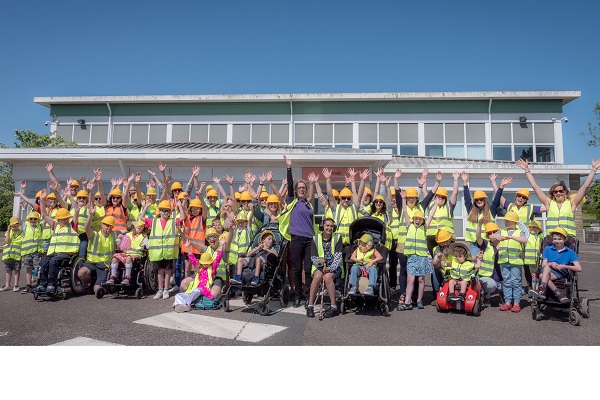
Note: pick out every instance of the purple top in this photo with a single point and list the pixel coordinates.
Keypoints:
(301, 216)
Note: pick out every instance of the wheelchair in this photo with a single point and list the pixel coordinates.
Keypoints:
(137, 282)
(67, 277)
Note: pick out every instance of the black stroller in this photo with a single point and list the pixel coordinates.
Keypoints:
(272, 277)
(382, 293)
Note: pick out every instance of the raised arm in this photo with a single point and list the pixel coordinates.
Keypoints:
(524, 165)
(586, 185)
(454, 196)
(44, 213)
(88, 222)
(436, 203)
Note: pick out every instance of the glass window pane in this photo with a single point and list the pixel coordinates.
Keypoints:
(455, 151)
(409, 133)
(476, 152)
(434, 150)
(158, 134)
(99, 134)
(501, 133)
(367, 133)
(455, 133)
(304, 133)
(218, 133)
(343, 133)
(544, 153)
(260, 133)
(200, 134)
(409, 150)
(522, 133)
(65, 132)
(81, 134)
(502, 153)
(393, 148)
(343, 146)
(280, 133)
(434, 133)
(544, 133)
(388, 133)
(121, 133)
(139, 134)
(524, 152)
(367, 146)
(180, 134)
(241, 134)
(323, 133)
(475, 133)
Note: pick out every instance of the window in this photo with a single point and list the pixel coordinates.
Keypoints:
(409, 133)
(501, 133)
(65, 132)
(121, 133)
(544, 133)
(323, 133)
(544, 153)
(218, 133)
(367, 146)
(455, 133)
(434, 133)
(158, 134)
(524, 152)
(434, 150)
(180, 134)
(388, 133)
(260, 133)
(409, 150)
(99, 134)
(343, 133)
(280, 133)
(241, 134)
(394, 148)
(81, 134)
(475, 133)
(199, 133)
(139, 134)
(455, 151)
(304, 133)
(502, 153)
(522, 133)
(476, 152)
(367, 133)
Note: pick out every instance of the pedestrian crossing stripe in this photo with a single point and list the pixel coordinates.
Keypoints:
(212, 326)
(84, 341)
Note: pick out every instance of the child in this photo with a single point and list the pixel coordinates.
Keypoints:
(203, 283)
(461, 268)
(260, 253)
(12, 253)
(131, 247)
(510, 258)
(557, 260)
(489, 272)
(238, 241)
(366, 258)
(532, 249)
(31, 248)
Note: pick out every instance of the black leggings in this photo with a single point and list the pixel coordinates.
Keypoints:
(300, 252)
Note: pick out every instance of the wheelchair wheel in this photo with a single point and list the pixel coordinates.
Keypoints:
(264, 308)
(386, 310)
(35, 296)
(574, 317)
(77, 285)
(100, 293)
(151, 276)
(247, 297)
(536, 313)
(585, 308)
(342, 307)
(138, 293)
(226, 304)
(477, 308)
(284, 296)
(63, 294)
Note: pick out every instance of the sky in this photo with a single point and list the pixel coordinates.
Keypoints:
(110, 48)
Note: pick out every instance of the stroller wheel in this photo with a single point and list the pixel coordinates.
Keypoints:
(63, 294)
(386, 310)
(247, 297)
(100, 293)
(536, 313)
(284, 296)
(138, 293)
(574, 317)
(264, 308)
(343, 307)
(226, 304)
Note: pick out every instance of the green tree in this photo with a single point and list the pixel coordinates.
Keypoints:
(24, 138)
(593, 132)
(592, 205)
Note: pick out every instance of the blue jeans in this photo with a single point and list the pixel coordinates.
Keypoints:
(356, 269)
(511, 282)
(83, 242)
(179, 264)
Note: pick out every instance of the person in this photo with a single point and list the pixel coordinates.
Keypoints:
(365, 257)
(532, 251)
(461, 268)
(442, 259)
(525, 211)
(260, 254)
(214, 245)
(238, 241)
(132, 247)
(82, 199)
(444, 213)
(11, 255)
(557, 261)
(510, 257)
(489, 274)
(194, 228)
(326, 257)
(114, 207)
(270, 212)
(205, 282)
(415, 249)
(31, 248)
(560, 209)
(478, 210)
(101, 247)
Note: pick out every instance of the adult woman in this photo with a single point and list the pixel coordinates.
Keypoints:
(478, 209)
(114, 207)
(520, 205)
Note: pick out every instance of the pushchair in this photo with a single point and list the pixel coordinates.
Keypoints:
(382, 293)
(578, 306)
(272, 275)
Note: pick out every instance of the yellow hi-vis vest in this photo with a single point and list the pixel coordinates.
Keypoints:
(239, 244)
(487, 263)
(532, 248)
(471, 227)
(510, 251)
(343, 217)
(461, 271)
(135, 248)
(416, 241)
(32, 239)
(47, 227)
(64, 240)
(448, 259)
(562, 217)
(525, 213)
(284, 219)
(163, 244)
(402, 223)
(441, 220)
(395, 224)
(97, 218)
(81, 219)
(196, 282)
(388, 230)
(222, 267)
(101, 248)
(12, 249)
(366, 257)
(256, 224)
(212, 213)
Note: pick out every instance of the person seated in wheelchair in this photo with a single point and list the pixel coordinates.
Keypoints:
(557, 261)
(205, 281)
(131, 248)
(259, 254)
(461, 268)
(365, 257)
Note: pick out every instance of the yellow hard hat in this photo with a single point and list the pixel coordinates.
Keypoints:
(264, 195)
(110, 220)
(208, 187)
(442, 235)
(164, 205)
(176, 186)
(238, 196)
(97, 194)
(135, 196)
(368, 191)
(441, 192)
(418, 214)
(273, 198)
(246, 196)
(34, 214)
(206, 258)
(393, 191)
(139, 223)
(13, 221)
(266, 233)
(535, 224)
(559, 230)
(524, 193)
(181, 196)
(511, 216)
(83, 193)
(38, 194)
(479, 194)
(196, 203)
(151, 191)
(412, 192)
(335, 193)
(75, 183)
(379, 197)
(491, 227)
(366, 238)
(211, 232)
(212, 193)
(116, 192)
(241, 217)
(346, 192)
(51, 196)
(62, 213)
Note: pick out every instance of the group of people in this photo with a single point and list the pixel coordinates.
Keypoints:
(198, 237)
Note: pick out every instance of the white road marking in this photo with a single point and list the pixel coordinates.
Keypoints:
(84, 341)
(212, 326)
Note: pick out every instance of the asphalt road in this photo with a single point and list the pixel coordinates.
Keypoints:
(25, 321)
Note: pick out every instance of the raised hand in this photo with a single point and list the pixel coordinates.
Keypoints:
(421, 181)
(438, 176)
(228, 179)
(262, 178)
(365, 174)
(202, 184)
(130, 178)
(242, 188)
(326, 173)
(113, 181)
(456, 175)
(465, 177)
(269, 176)
(151, 184)
(425, 173)
(312, 177)
(349, 179)
(90, 186)
(23, 185)
(284, 182)
(49, 167)
(247, 176)
(493, 177)
(43, 194)
(398, 173)
(52, 185)
(83, 181)
(523, 164)
(596, 163)
(505, 181)
(138, 177)
(152, 173)
(382, 177)
(168, 180)
(288, 162)
(352, 173)
(387, 180)
(97, 174)
(216, 180)
(195, 170)
(161, 167)
(70, 181)
(403, 193)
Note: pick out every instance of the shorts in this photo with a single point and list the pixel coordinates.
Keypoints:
(12, 265)
(99, 271)
(562, 274)
(122, 257)
(162, 264)
(32, 260)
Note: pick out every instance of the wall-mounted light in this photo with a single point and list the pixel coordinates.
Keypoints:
(81, 121)
(522, 120)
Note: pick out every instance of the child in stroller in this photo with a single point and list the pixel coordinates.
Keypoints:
(260, 254)
(365, 258)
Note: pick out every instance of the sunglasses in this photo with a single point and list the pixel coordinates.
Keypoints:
(97, 198)
(559, 191)
(82, 198)
(167, 211)
(478, 200)
(176, 190)
(32, 219)
(246, 201)
(211, 237)
(346, 198)
(521, 196)
(378, 201)
(116, 198)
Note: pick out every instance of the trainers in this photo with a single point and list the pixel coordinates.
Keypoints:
(352, 290)
(505, 307)
(404, 307)
(236, 280)
(16, 288)
(125, 281)
(111, 280)
(159, 294)
(420, 305)
(561, 297)
(310, 312)
(165, 294)
(515, 308)
(182, 308)
(254, 281)
(174, 289)
(27, 289)
(541, 294)
(4, 288)
(369, 291)
(50, 289)
(331, 312)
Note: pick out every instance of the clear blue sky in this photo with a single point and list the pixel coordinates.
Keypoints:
(69, 48)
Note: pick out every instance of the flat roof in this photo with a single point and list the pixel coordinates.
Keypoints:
(564, 96)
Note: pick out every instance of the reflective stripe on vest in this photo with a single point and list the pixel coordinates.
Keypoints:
(64, 240)
(448, 258)
(461, 271)
(99, 215)
(32, 239)
(525, 213)
(195, 230)
(487, 263)
(532, 248)
(343, 229)
(12, 249)
(81, 218)
(441, 220)
(212, 214)
(163, 244)
(47, 227)
(388, 232)
(365, 257)
(402, 227)
(120, 218)
(416, 241)
(100, 248)
(471, 227)
(395, 224)
(239, 244)
(509, 251)
(135, 248)
(562, 217)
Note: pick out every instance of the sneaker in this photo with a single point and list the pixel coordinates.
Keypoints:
(516, 308)
(541, 294)
(16, 288)
(331, 312)
(165, 294)
(174, 289)
(420, 305)
(182, 308)
(236, 280)
(404, 307)
(40, 289)
(126, 280)
(505, 307)
(27, 289)
(4, 288)
(159, 294)
(561, 297)
(310, 312)
(369, 291)
(254, 281)
(111, 280)
(352, 290)
(50, 289)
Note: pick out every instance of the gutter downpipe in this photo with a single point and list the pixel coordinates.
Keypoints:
(110, 138)
(292, 122)
(490, 124)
